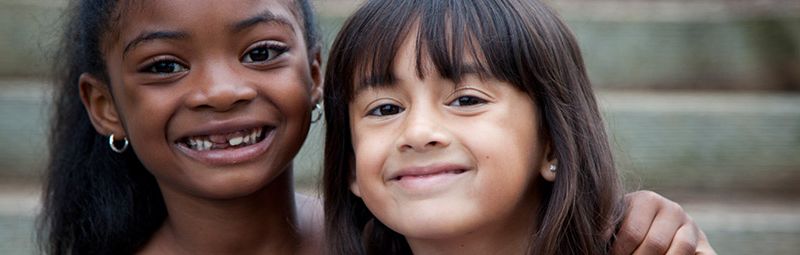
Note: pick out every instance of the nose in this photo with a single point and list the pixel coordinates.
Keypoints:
(219, 88)
(423, 131)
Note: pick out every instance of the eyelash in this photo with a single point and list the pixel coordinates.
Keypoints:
(272, 50)
(377, 111)
(474, 101)
(164, 62)
(395, 109)
(167, 65)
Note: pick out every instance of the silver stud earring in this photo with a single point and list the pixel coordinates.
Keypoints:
(318, 109)
(553, 168)
(114, 147)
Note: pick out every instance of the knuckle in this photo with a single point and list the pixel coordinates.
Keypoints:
(684, 244)
(631, 235)
(657, 244)
(642, 196)
(675, 208)
(684, 247)
(652, 197)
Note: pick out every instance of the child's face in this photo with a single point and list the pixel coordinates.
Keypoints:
(215, 97)
(436, 159)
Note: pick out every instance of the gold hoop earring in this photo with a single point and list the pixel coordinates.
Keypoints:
(114, 147)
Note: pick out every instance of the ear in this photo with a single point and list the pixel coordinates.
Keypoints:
(316, 74)
(353, 183)
(549, 160)
(354, 187)
(99, 104)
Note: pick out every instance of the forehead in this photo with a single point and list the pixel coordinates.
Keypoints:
(418, 56)
(196, 16)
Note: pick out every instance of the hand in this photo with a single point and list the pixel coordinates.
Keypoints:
(655, 225)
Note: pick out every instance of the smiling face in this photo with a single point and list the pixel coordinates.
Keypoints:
(214, 98)
(437, 159)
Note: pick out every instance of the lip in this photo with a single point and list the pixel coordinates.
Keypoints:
(222, 127)
(427, 178)
(425, 171)
(229, 156)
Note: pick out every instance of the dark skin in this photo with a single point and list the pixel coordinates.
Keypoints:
(244, 65)
(242, 70)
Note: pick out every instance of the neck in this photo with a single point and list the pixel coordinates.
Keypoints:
(264, 222)
(514, 240)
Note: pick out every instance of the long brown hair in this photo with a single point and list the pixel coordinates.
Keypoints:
(521, 42)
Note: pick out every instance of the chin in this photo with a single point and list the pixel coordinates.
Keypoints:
(432, 225)
(235, 186)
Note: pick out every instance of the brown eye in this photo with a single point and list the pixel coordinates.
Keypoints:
(165, 67)
(467, 101)
(385, 110)
(264, 52)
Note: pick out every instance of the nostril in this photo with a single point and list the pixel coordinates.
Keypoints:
(221, 98)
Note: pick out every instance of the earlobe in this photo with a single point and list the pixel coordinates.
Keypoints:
(550, 166)
(549, 169)
(354, 188)
(99, 104)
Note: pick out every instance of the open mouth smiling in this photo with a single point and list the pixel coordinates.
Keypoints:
(232, 140)
(221, 148)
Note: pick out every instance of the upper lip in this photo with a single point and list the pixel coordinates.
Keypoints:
(222, 127)
(426, 170)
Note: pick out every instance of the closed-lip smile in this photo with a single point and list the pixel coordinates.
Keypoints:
(427, 171)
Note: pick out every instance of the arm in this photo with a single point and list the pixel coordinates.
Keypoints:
(655, 225)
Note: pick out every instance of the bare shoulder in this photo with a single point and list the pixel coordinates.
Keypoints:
(311, 223)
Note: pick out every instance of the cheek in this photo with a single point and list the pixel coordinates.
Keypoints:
(511, 160)
(371, 152)
(369, 155)
(146, 113)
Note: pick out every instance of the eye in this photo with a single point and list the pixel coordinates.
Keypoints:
(467, 101)
(385, 110)
(263, 52)
(164, 67)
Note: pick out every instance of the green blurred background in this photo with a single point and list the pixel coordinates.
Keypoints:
(702, 99)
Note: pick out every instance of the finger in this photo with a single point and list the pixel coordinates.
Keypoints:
(703, 246)
(640, 211)
(659, 237)
(685, 240)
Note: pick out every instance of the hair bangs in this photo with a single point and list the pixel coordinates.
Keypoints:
(452, 39)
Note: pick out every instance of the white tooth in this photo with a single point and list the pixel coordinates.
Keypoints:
(235, 141)
(246, 139)
(258, 132)
(206, 145)
(193, 143)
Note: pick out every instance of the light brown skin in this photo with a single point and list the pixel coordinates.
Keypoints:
(249, 207)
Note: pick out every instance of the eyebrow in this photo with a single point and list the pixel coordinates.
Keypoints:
(265, 16)
(153, 35)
